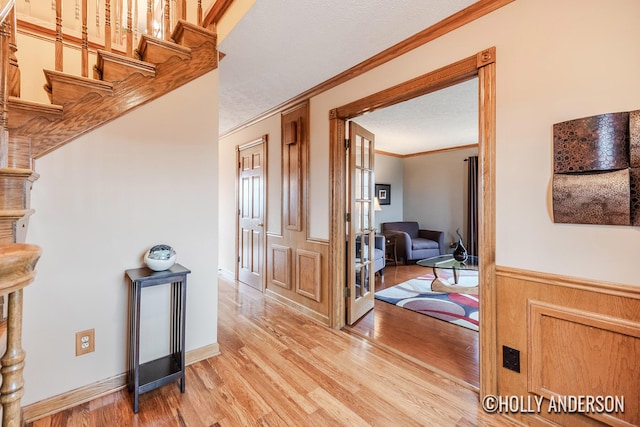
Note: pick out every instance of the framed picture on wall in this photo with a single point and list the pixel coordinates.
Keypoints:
(383, 193)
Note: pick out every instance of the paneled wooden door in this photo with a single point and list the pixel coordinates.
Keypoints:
(361, 230)
(251, 190)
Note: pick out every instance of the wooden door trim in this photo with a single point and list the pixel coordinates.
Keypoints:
(483, 66)
(264, 139)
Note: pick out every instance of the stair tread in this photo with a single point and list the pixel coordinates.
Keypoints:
(192, 35)
(77, 80)
(131, 62)
(21, 111)
(182, 24)
(147, 39)
(15, 102)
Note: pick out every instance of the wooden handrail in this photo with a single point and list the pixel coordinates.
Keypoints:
(6, 7)
(215, 13)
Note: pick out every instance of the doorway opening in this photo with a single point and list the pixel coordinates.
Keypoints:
(481, 66)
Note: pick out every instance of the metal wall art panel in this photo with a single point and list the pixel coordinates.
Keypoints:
(599, 198)
(597, 170)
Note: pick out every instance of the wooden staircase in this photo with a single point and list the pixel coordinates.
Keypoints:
(120, 84)
(29, 130)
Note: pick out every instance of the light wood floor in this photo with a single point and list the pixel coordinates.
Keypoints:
(279, 368)
(447, 348)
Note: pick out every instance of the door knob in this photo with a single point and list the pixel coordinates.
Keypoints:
(261, 224)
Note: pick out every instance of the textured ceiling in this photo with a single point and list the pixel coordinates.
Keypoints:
(442, 119)
(282, 48)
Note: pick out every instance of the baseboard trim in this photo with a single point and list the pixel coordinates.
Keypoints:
(60, 402)
(227, 274)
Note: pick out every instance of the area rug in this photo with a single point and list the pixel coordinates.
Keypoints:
(416, 295)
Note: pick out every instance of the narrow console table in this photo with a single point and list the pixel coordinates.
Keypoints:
(150, 375)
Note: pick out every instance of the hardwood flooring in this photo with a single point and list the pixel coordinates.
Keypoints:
(444, 347)
(279, 368)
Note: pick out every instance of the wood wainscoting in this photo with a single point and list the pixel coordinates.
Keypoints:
(576, 338)
(297, 265)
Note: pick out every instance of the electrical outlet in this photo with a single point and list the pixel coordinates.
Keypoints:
(85, 342)
(511, 358)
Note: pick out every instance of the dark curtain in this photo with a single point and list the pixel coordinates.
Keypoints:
(472, 202)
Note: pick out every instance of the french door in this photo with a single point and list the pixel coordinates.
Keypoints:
(360, 229)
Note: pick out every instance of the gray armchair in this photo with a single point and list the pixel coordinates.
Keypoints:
(413, 244)
(378, 252)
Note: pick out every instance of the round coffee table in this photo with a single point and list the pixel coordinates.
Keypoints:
(447, 262)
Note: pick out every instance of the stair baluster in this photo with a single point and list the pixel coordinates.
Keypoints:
(85, 41)
(167, 19)
(59, 45)
(150, 18)
(107, 25)
(129, 37)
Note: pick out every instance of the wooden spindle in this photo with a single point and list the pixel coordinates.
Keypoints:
(58, 57)
(181, 11)
(199, 13)
(135, 23)
(107, 25)
(167, 19)
(14, 71)
(129, 32)
(150, 18)
(85, 41)
(5, 35)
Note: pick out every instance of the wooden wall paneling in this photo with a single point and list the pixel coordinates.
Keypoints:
(337, 204)
(486, 63)
(601, 357)
(310, 268)
(292, 157)
(280, 266)
(586, 323)
(308, 274)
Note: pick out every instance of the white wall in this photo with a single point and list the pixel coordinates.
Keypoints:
(227, 174)
(390, 170)
(555, 61)
(435, 191)
(149, 177)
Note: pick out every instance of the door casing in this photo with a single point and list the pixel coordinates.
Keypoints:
(483, 66)
(263, 205)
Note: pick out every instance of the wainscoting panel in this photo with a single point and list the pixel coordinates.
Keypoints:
(576, 337)
(602, 351)
(308, 277)
(281, 266)
(300, 282)
(292, 156)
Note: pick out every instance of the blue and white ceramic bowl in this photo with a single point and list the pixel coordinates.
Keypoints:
(160, 257)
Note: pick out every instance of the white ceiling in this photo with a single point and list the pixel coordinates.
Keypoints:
(282, 48)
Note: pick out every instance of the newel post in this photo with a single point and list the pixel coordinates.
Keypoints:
(17, 270)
